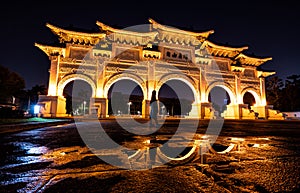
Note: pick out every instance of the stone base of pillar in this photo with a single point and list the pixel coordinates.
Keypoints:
(195, 111)
(246, 113)
(267, 112)
(52, 106)
(238, 111)
(99, 107)
(261, 111)
(206, 111)
(231, 112)
(273, 114)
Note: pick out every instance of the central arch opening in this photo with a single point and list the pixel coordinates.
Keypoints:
(219, 98)
(125, 97)
(177, 98)
(78, 94)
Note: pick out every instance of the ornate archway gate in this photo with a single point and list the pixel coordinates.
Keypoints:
(150, 59)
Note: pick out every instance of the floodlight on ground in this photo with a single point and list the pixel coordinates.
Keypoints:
(36, 109)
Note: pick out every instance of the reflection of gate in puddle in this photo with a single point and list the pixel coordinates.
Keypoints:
(142, 158)
(150, 158)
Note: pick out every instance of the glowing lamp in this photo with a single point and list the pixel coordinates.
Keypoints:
(36, 109)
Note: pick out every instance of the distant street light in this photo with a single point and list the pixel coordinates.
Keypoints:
(163, 111)
(129, 103)
(13, 99)
(84, 103)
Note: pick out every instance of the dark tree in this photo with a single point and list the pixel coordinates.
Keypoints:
(291, 93)
(24, 100)
(35, 91)
(274, 86)
(11, 84)
(284, 96)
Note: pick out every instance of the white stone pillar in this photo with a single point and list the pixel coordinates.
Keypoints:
(262, 91)
(202, 86)
(102, 106)
(239, 96)
(53, 77)
(146, 109)
(100, 81)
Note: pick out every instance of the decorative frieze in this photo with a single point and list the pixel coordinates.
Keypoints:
(127, 54)
(148, 54)
(74, 62)
(102, 53)
(252, 83)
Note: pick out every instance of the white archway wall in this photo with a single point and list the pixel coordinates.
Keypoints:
(183, 79)
(226, 87)
(254, 93)
(67, 79)
(120, 77)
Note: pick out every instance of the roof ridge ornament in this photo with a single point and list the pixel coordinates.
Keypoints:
(201, 35)
(250, 60)
(107, 28)
(74, 36)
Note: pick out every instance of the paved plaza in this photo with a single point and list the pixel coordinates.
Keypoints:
(243, 156)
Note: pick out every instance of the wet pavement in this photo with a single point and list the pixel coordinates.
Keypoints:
(246, 156)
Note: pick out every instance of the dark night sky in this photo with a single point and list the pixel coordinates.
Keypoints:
(269, 29)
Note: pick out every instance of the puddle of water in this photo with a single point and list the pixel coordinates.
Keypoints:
(257, 145)
(66, 155)
(29, 133)
(38, 150)
(25, 153)
(30, 148)
(236, 139)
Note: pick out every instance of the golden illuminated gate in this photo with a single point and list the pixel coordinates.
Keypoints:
(150, 59)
